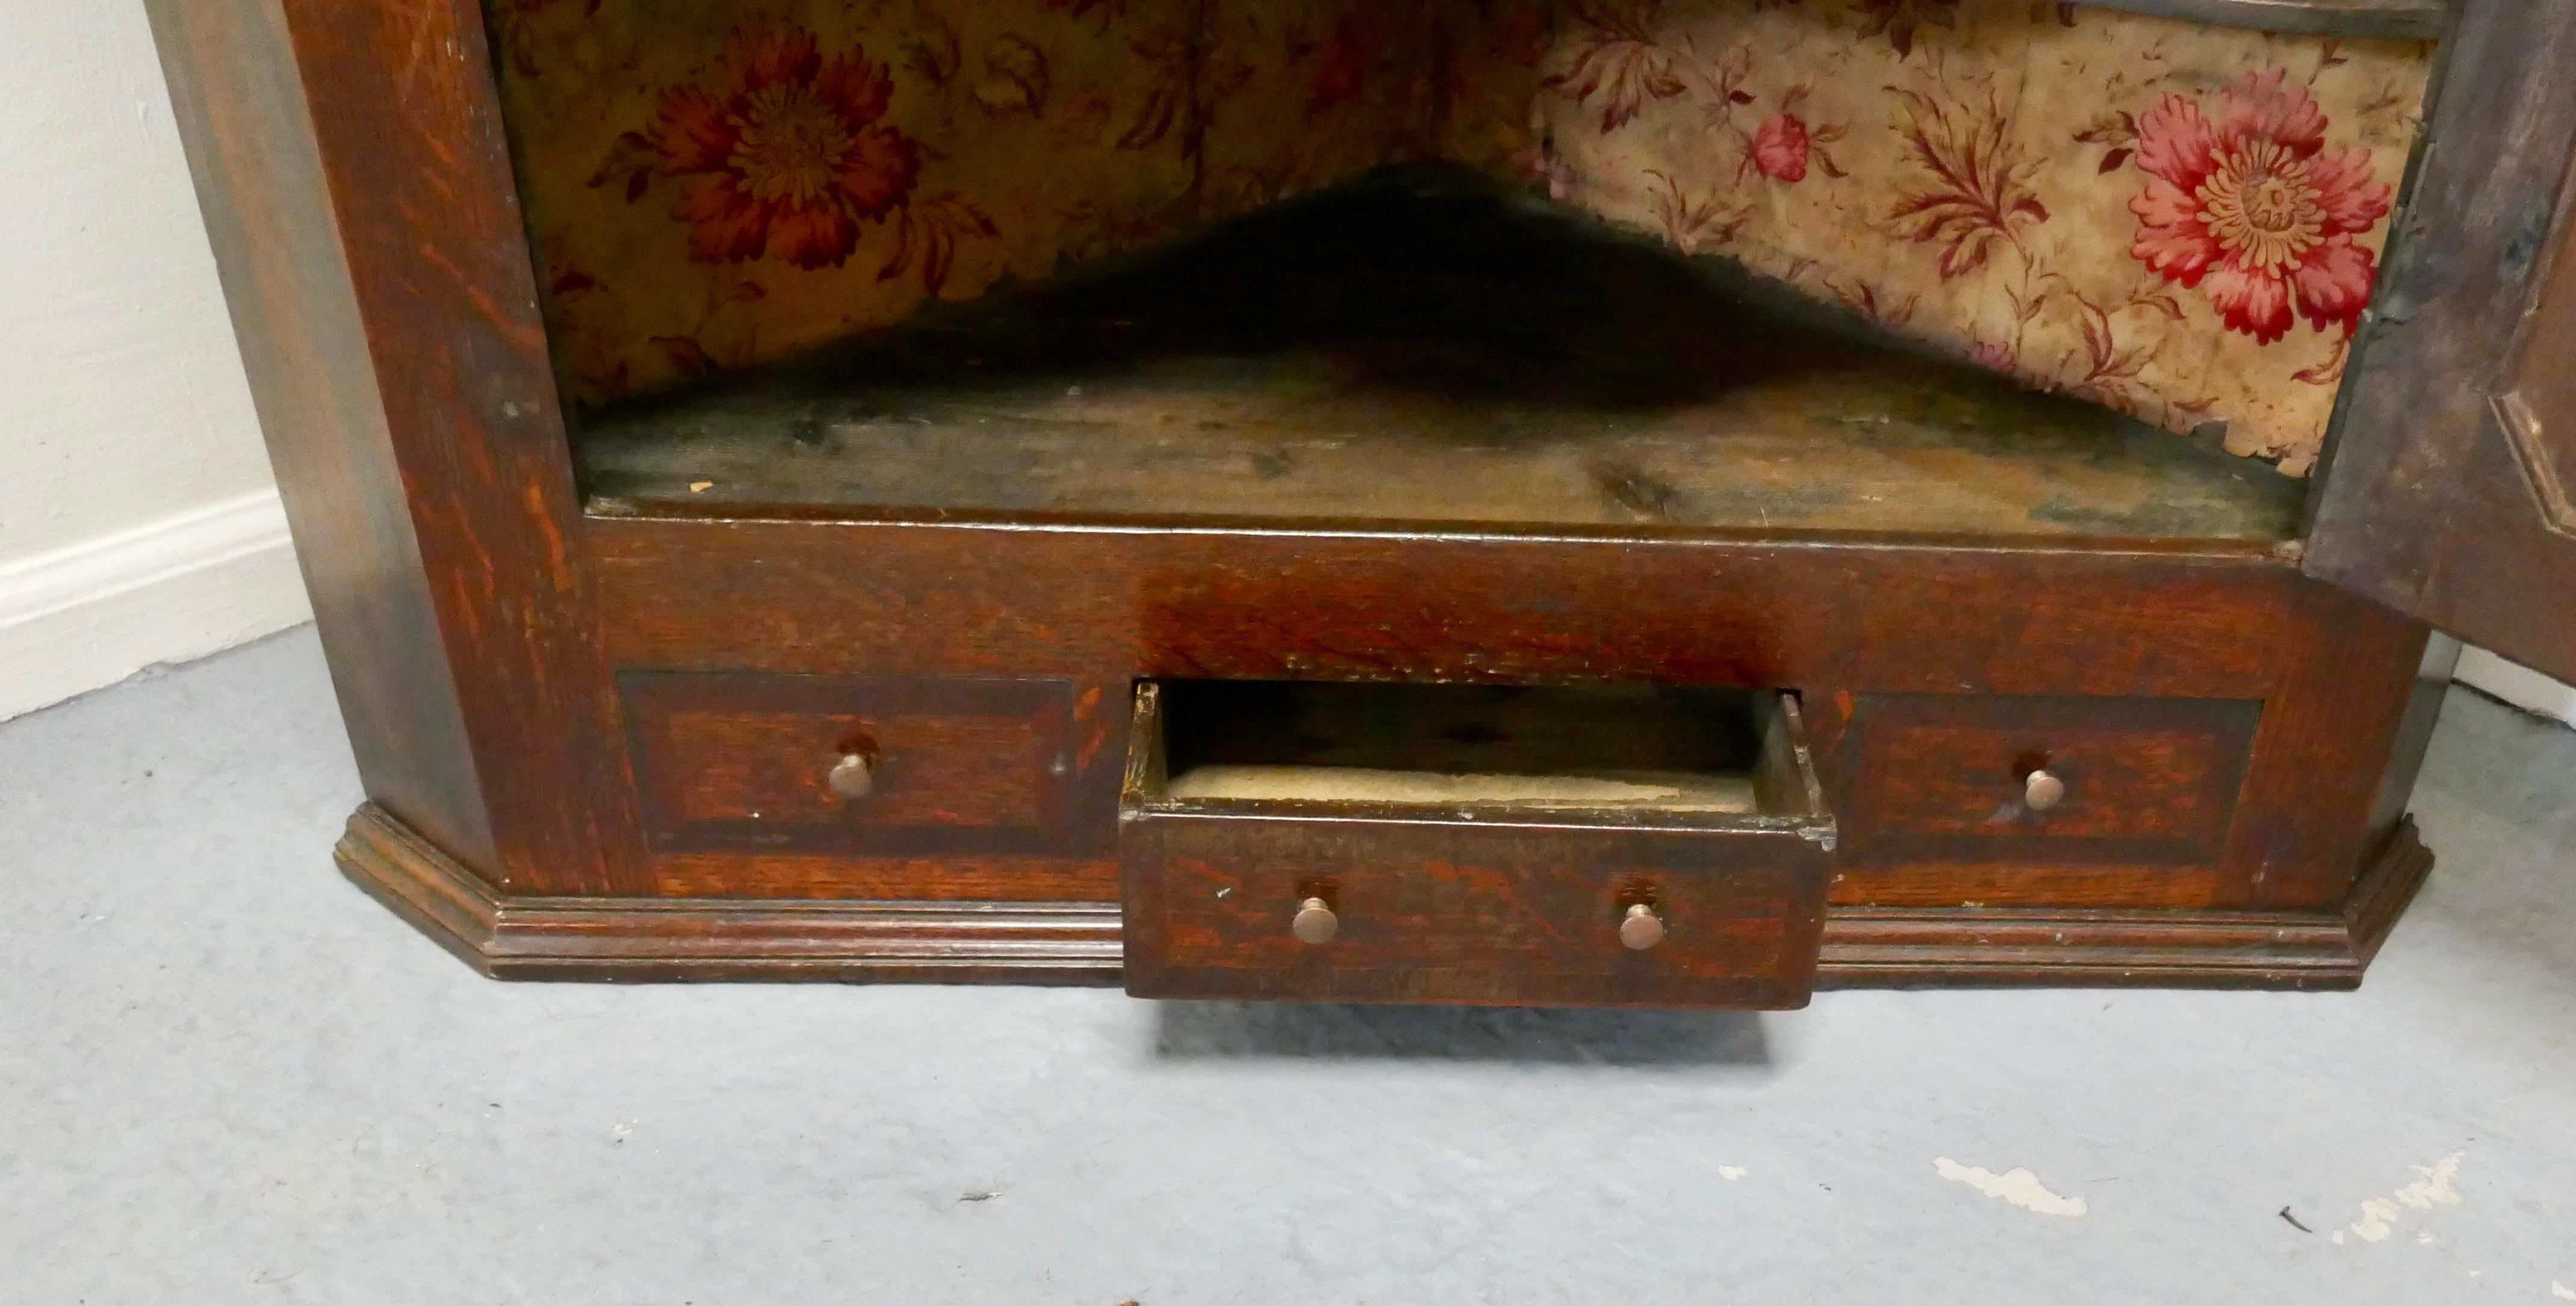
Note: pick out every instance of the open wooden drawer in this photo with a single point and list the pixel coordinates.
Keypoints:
(1602, 845)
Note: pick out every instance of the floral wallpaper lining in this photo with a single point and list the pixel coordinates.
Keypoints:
(2181, 222)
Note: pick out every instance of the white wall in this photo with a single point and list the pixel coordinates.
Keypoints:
(2520, 686)
(138, 523)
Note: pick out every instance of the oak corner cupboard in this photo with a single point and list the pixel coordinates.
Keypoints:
(1622, 502)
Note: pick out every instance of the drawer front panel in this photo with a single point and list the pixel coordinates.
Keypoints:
(1946, 778)
(1469, 914)
(743, 762)
(1361, 848)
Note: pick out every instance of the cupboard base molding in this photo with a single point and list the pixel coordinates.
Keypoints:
(1869, 947)
(509, 936)
(681, 939)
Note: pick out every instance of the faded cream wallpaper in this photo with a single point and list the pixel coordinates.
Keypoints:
(2181, 222)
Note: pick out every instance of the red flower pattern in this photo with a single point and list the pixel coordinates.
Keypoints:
(789, 150)
(1780, 147)
(2254, 210)
(1343, 70)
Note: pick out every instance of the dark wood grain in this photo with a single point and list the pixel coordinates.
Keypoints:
(2423, 503)
(959, 766)
(594, 938)
(1833, 620)
(685, 939)
(413, 159)
(1940, 777)
(241, 114)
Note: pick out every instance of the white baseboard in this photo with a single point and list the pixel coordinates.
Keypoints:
(197, 583)
(2516, 684)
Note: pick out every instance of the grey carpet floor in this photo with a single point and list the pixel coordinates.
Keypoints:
(227, 1076)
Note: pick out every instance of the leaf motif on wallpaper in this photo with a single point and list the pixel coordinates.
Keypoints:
(1899, 20)
(1980, 192)
(927, 234)
(1695, 226)
(631, 162)
(931, 49)
(2119, 127)
(686, 354)
(1618, 59)
(518, 36)
(1168, 57)
(2118, 130)
(2329, 372)
(1015, 77)
(1863, 298)
(2119, 340)
(564, 279)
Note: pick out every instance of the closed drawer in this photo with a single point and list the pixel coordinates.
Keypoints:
(1471, 844)
(1967, 778)
(926, 764)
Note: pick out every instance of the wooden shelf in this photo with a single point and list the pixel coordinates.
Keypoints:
(1438, 358)
(2383, 19)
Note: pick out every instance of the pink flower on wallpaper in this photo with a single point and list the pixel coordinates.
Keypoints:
(1780, 147)
(2253, 209)
(789, 149)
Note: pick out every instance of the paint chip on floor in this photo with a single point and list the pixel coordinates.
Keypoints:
(2561, 1291)
(2017, 1186)
(2432, 1188)
(1730, 1173)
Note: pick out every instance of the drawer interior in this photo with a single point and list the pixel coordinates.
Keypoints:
(1642, 751)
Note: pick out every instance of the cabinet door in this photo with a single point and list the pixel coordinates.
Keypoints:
(2450, 489)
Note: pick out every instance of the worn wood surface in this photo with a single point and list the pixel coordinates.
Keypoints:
(1653, 749)
(241, 113)
(2535, 403)
(1421, 351)
(2424, 504)
(2374, 19)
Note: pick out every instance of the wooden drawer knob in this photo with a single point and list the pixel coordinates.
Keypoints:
(2041, 791)
(1641, 928)
(853, 777)
(1315, 922)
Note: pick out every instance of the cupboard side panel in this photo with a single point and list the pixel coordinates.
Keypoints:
(241, 114)
(409, 132)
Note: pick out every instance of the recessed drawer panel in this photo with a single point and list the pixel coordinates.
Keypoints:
(1963, 778)
(886, 765)
(1471, 844)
